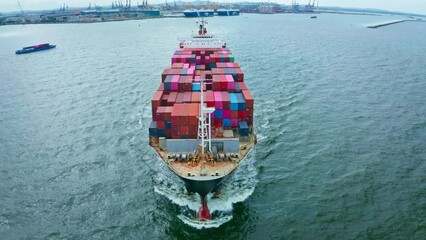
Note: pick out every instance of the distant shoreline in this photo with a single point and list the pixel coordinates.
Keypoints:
(121, 19)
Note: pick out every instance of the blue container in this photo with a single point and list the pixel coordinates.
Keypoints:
(241, 101)
(153, 129)
(230, 71)
(168, 124)
(195, 87)
(237, 88)
(167, 86)
(168, 78)
(168, 83)
(244, 130)
(235, 76)
(161, 133)
(234, 101)
(218, 114)
(226, 122)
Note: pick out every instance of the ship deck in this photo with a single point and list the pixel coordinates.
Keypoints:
(204, 170)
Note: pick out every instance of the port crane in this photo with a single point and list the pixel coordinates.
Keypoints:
(20, 8)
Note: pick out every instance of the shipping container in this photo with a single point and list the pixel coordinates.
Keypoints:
(176, 103)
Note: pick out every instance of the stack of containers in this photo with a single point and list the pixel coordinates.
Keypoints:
(184, 121)
(175, 104)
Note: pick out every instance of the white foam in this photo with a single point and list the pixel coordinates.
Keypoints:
(236, 188)
(215, 223)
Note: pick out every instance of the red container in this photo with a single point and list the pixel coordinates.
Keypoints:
(196, 97)
(240, 75)
(187, 97)
(177, 65)
(162, 113)
(164, 99)
(179, 98)
(183, 117)
(223, 85)
(209, 98)
(249, 120)
(242, 85)
(156, 99)
(183, 130)
(161, 87)
(249, 98)
(193, 113)
(242, 114)
(168, 133)
(188, 84)
(168, 113)
(175, 129)
(234, 114)
(161, 125)
(175, 114)
(172, 98)
(218, 122)
(226, 101)
(193, 129)
(249, 112)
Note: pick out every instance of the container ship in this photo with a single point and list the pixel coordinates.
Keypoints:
(35, 48)
(202, 115)
(228, 12)
(198, 13)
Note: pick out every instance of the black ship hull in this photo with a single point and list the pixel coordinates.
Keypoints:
(203, 187)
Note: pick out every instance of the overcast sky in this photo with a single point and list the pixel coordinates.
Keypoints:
(410, 6)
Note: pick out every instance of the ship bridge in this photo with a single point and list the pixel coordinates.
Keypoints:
(202, 39)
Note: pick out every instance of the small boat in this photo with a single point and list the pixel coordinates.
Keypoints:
(35, 48)
(313, 16)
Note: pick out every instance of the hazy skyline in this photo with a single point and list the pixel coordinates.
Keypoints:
(409, 6)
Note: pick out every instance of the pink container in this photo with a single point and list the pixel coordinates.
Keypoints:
(174, 85)
(190, 72)
(226, 113)
(230, 82)
(218, 100)
(234, 122)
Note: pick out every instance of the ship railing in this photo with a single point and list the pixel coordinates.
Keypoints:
(222, 38)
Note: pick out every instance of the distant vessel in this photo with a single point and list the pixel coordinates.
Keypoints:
(228, 12)
(202, 116)
(198, 13)
(35, 48)
(314, 17)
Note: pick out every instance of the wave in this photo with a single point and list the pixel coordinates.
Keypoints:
(237, 188)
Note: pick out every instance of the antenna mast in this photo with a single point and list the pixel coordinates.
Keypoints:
(204, 122)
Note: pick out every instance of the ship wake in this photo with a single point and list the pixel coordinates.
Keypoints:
(236, 188)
